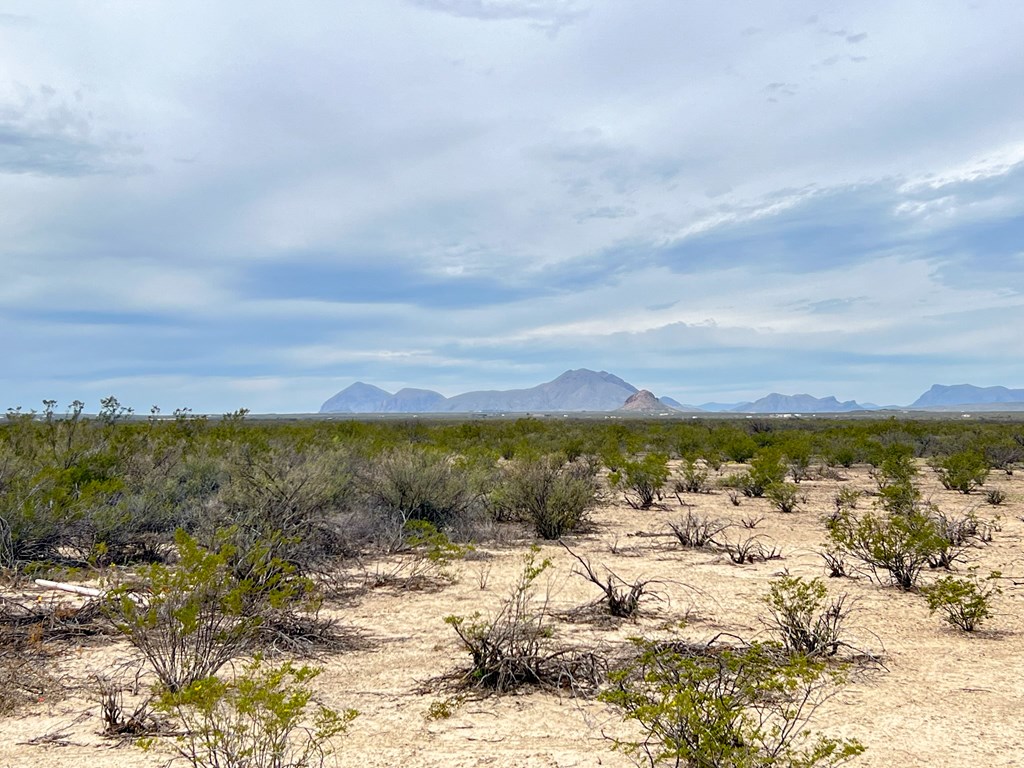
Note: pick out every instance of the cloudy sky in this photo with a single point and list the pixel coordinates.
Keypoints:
(254, 204)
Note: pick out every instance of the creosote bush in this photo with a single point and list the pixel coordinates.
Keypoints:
(767, 469)
(964, 602)
(846, 499)
(506, 650)
(963, 471)
(894, 476)
(898, 545)
(419, 484)
(803, 618)
(785, 497)
(995, 497)
(711, 707)
(641, 480)
(693, 478)
(260, 718)
(621, 598)
(554, 496)
(282, 498)
(191, 618)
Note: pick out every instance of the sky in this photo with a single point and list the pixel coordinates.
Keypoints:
(254, 204)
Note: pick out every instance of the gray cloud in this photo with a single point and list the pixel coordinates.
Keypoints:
(46, 134)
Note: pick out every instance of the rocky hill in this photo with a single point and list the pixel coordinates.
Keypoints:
(645, 402)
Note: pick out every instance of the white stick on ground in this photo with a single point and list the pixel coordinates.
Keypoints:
(65, 587)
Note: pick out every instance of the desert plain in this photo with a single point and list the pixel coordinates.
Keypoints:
(935, 696)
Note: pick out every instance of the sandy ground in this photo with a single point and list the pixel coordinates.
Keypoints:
(946, 698)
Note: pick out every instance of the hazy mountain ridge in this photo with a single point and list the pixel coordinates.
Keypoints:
(585, 390)
(574, 390)
(776, 403)
(942, 395)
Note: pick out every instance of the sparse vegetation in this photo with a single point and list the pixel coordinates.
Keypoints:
(259, 718)
(695, 531)
(963, 471)
(513, 648)
(552, 495)
(965, 603)
(725, 706)
(897, 545)
(211, 538)
(621, 598)
(803, 619)
(641, 480)
(995, 496)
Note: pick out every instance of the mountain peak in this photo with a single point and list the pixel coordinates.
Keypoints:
(359, 397)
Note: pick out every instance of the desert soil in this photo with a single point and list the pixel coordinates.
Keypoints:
(944, 697)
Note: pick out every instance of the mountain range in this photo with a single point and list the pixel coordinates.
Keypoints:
(578, 390)
(585, 390)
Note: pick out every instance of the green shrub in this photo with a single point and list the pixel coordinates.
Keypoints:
(895, 475)
(802, 618)
(261, 718)
(846, 499)
(963, 471)
(641, 480)
(552, 495)
(965, 603)
(693, 478)
(418, 484)
(785, 497)
(737, 708)
(190, 618)
(899, 545)
(766, 470)
(442, 709)
(995, 497)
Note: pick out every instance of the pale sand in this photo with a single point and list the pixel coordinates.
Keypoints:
(947, 699)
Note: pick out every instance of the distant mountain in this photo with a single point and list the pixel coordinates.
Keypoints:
(966, 394)
(645, 402)
(720, 407)
(576, 390)
(415, 401)
(776, 403)
(671, 402)
(358, 398)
